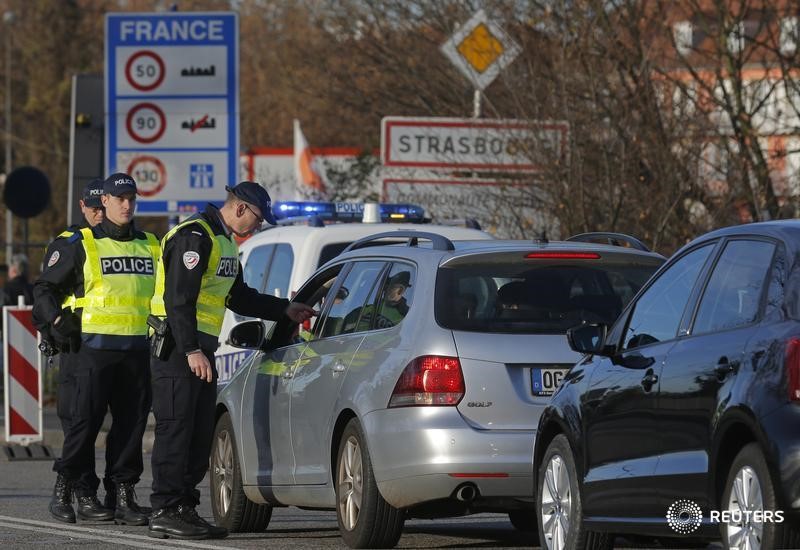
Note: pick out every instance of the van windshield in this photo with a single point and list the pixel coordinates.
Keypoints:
(531, 296)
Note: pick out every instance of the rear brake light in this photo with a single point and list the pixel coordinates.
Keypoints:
(429, 380)
(563, 256)
(793, 368)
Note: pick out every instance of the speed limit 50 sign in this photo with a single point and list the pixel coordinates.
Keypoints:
(172, 106)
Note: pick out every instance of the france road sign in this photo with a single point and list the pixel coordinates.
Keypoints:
(172, 106)
(480, 49)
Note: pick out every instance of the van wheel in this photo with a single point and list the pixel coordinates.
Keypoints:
(750, 488)
(231, 508)
(558, 501)
(365, 519)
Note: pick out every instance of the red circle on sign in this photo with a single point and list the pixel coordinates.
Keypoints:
(162, 175)
(161, 71)
(161, 117)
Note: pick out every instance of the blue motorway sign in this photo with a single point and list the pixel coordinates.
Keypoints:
(172, 106)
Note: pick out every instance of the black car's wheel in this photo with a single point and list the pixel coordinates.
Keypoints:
(749, 489)
(229, 504)
(365, 519)
(558, 501)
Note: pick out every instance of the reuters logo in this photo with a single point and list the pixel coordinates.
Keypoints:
(684, 516)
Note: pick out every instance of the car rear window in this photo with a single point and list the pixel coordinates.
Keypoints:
(513, 295)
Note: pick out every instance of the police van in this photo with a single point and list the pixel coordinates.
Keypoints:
(278, 260)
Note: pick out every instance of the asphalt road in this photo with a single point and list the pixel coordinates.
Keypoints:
(25, 488)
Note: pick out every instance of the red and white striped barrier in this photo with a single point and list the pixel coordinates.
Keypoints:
(22, 376)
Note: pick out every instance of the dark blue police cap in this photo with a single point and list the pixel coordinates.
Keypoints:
(118, 184)
(92, 193)
(253, 193)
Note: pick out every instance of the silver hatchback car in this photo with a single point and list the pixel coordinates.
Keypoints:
(417, 390)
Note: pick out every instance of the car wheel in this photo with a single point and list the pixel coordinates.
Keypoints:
(750, 488)
(365, 519)
(230, 506)
(558, 501)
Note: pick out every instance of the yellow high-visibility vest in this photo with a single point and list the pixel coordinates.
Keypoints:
(218, 278)
(119, 281)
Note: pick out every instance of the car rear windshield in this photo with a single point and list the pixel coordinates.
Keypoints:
(512, 295)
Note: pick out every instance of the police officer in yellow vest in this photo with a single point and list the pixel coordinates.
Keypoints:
(198, 277)
(110, 269)
(92, 210)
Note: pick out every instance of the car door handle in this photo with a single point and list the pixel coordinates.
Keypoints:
(724, 367)
(339, 367)
(649, 381)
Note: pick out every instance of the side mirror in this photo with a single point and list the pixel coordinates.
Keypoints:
(247, 335)
(589, 338)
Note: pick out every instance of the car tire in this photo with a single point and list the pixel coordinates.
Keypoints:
(365, 519)
(231, 507)
(558, 503)
(750, 468)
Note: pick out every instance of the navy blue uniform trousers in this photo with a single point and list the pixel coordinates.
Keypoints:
(183, 405)
(103, 380)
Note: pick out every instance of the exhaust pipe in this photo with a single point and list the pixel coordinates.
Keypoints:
(466, 492)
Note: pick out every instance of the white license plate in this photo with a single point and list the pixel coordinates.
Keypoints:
(545, 381)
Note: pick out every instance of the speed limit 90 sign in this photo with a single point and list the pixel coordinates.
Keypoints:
(145, 70)
(146, 122)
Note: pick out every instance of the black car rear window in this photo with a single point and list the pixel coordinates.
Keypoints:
(533, 296)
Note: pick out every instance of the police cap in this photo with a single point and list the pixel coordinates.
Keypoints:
(401, 278)
(253, 193)
(119, 184)
(92, 193)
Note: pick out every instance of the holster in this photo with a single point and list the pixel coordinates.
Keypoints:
(161, 340)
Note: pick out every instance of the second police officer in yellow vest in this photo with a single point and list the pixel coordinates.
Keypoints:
(110, 269)
(198, 277)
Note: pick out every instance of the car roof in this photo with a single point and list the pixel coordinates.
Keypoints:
(342, 232)
(787, 231)
(479, 247)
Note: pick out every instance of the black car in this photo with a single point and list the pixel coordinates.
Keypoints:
(683, 419)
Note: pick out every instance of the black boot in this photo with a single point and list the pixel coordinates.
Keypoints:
(127, 511)
(90, 508)
(61, 503)
(169, 523)
(189, 514)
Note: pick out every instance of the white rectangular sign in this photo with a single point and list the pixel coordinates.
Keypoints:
(172, 106)
(472, 143)
(504, 208)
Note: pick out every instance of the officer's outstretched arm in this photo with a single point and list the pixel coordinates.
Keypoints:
(247, 301)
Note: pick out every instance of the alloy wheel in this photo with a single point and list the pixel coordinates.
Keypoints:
(556, 504)
(743, 533)
(351, 483)
(222, 469)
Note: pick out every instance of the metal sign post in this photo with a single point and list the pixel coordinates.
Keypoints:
(172, 106)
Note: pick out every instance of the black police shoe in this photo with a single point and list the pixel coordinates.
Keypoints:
(127, 511)
(89, 508)
(189, 514)
(169, 523)
(61, 503)
(110, 501)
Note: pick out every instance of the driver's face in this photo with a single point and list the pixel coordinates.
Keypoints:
(395, 292)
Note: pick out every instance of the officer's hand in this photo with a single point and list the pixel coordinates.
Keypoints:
(199, 365)
(298, 312)
(66, 327)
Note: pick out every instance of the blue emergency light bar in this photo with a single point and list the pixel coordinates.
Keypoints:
(347, 211)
